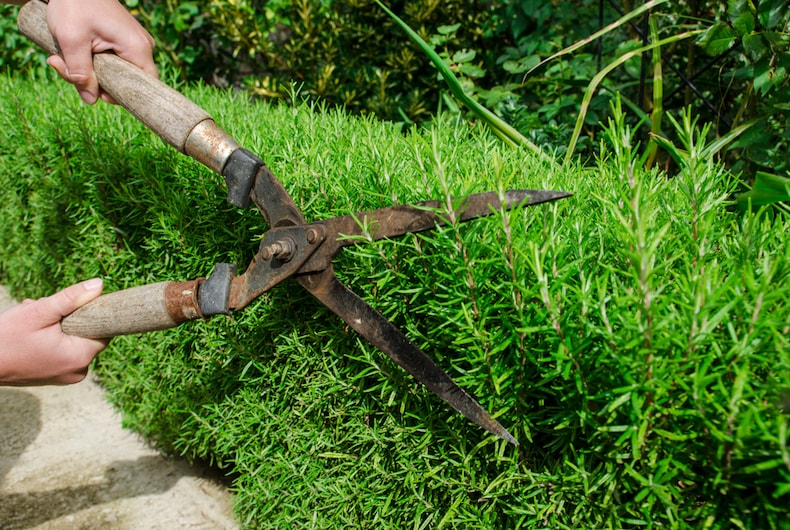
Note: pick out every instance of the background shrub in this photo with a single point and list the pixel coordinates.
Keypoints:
(634, 337)
(350, 53)
(344, 53)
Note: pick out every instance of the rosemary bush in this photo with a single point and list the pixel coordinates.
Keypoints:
(633, 337)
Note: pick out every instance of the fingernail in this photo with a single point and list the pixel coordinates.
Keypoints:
(92, 285)
(87, 97)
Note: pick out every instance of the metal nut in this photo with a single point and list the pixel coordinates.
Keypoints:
(282, 249)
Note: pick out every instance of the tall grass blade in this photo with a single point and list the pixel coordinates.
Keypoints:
(593, 86)
(658, 96)
(614, 25)
(500, 127)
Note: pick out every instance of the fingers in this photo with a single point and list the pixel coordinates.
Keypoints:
(137, 50)
(85, 27)
(81, 351)
(76, 63)
(82, 77)
(55, 307)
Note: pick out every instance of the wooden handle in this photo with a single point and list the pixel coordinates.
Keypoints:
(172, 116)
(138, 310)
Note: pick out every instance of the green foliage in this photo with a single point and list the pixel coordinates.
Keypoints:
(547, 70)
(498, 126)
(548, 95)
(758, 34)
(18, 53)
(344, 53)
(633, 337)
(182, 34)
(767, 189)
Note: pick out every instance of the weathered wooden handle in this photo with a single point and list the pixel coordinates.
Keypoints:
(175, 118)
(182, 124)
(141, 309)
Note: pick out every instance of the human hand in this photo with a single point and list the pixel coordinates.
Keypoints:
(33, 348)
(85, 27)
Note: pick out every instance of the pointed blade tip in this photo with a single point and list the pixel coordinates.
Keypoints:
(504, 434)
(550, 195)
(525, 198)
(493, 426)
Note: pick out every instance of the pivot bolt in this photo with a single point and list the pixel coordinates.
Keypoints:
(282, 249)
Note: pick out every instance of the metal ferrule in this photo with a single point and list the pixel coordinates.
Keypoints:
(181, 300)
(210, 145)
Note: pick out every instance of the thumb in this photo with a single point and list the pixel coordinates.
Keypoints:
(70, 299)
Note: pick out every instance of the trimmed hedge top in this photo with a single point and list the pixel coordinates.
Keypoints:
(633, 337)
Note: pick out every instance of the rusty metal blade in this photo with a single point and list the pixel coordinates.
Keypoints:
(382, 334)
(396, 221)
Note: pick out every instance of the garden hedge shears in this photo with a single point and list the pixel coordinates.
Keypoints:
(291, 248)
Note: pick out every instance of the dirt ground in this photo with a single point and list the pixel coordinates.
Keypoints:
(66, 463)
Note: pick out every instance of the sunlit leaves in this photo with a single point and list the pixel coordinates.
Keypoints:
(634, 337)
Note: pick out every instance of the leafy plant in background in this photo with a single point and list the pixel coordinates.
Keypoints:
(598, 78)
(353, 54)
(766, 189)
(467, 93)
(759, 32)
(501, 128)
(183, 35)
(757, 35)
(342, 52)
(18, 53)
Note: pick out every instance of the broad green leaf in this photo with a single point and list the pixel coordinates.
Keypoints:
(447, 30)
(776, 38)
(767, 189)
(464, 56)
(744, 24)
(717, 39)
(471, 70)
(755, 46)
(736, 8)
(764, 77)
(518, 26)
(717, 145)
(770, 12)
(521, 65)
